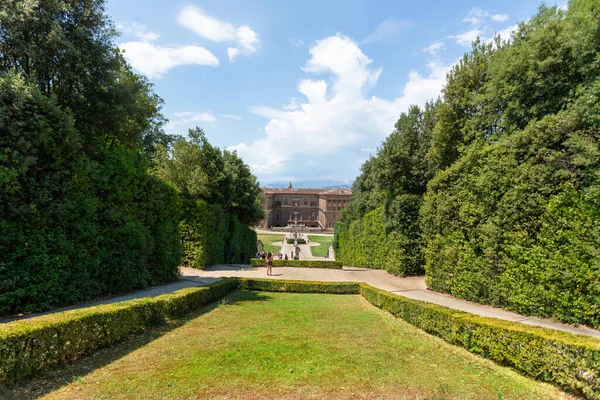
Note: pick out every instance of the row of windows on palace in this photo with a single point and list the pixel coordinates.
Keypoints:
(313, 203)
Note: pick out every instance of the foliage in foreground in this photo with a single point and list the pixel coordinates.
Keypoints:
(303, 345)
(569, 361)
(494, 188)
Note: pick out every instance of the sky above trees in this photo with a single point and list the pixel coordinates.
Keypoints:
(304, 90)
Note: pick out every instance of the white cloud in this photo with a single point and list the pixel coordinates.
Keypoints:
(138, 30)
(476, 16)
(466, 38)
(212, 29)
(208, 27)
(499, 17)
(326, 131)
(247, 39)
(387, 28)
(232, 53)
(189, 118)
(296, 42)
(232, 116)
(434, 48)
(154, 60)
(478, 19)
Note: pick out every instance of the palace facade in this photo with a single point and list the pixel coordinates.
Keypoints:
(315, 208)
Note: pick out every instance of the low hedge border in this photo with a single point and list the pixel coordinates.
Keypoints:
(567, 360)
(273, 285)
(43, 342)
(259, 262)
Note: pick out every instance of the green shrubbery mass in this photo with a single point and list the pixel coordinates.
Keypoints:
(567, 360)
(493, 189)
(84, 211)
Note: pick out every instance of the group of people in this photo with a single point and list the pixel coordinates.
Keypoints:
(280, 255)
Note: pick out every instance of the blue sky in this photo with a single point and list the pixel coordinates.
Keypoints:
(302, 90)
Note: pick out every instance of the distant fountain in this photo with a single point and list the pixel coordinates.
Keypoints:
(295, 230)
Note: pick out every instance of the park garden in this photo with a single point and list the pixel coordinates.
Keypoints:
(491, 191)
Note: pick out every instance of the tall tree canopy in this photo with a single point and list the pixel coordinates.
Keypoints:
(510, 163)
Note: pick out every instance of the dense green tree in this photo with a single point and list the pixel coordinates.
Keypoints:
(509, 166)
(80, 215)
(508, 222)
(66, 49)
(380, 228)
(245, 192)
(74, 229)
(221, 199)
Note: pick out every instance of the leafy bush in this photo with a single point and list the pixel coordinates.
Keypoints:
(365, 243)
(43, 342)
(75, 228)
(300, 240)
(567, 360)
(259, 262)
(504, 227)
(272, 285)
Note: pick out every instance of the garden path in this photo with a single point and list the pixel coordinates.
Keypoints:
(410, 287)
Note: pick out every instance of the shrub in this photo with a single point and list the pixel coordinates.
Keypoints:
(366, 242)
(272, 285)
(75, 227)
(291, 240)
(570, 361)
(259, 262)
(43, 342)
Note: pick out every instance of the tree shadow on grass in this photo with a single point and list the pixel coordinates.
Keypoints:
(49, 381)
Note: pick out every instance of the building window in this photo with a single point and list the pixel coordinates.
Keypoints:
(277, 216)
(329, 225)
(285, 202)
(305, 202)
(314, 217)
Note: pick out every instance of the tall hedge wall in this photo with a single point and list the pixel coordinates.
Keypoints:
(75, 228)
(365, 243)
(210, 235)
(512, 223)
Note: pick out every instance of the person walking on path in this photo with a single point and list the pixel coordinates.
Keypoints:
(269, 262)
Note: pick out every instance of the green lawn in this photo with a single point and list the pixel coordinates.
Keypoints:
(320, 251)
(268, 239)
(287, 346)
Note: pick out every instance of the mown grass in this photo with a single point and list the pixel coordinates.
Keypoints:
(268, 239)
(292, 346)
(320, 251)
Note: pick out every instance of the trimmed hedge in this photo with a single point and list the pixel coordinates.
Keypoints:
(291, 241)
(368, 243)
(43, 342)
(272, 285)
(569, 361)
(210, 233)
(259, 262)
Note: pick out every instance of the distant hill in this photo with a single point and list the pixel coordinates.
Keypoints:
(326, 184)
